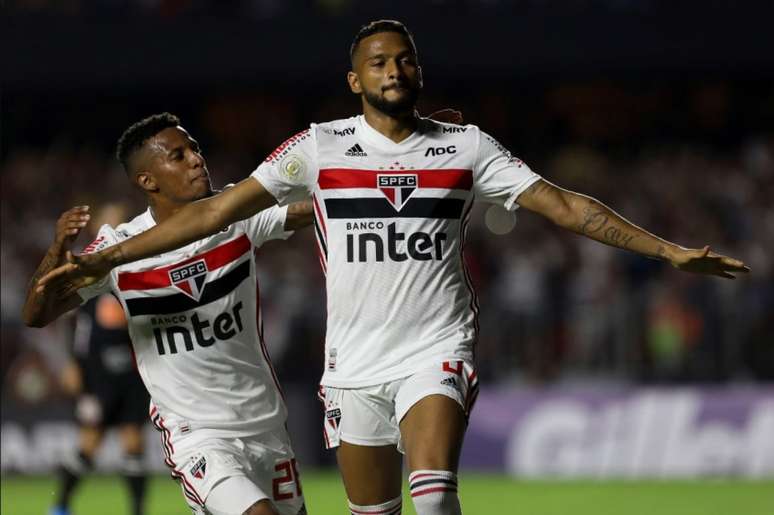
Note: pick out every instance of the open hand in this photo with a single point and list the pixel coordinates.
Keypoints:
(79, 272)
(70, 224)
(704, 261)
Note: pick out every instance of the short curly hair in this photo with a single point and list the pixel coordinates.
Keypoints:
(137, 134)
(376, 27)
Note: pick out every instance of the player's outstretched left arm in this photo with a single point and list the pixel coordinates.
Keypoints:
(591, 218)
(192, 222)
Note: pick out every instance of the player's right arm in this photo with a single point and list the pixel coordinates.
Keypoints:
(286, 175)
(191, 223)
(41, 308)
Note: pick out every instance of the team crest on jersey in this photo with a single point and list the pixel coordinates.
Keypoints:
(190, 278)
(397, 187)
(199, 468)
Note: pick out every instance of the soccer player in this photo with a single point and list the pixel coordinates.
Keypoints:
(103, 377)
(194, 322)
(392, 195)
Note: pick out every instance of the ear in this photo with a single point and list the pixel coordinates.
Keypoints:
(354, 83)
(146, 181)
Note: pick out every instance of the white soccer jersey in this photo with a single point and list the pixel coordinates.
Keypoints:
(390, 221)
(194, 321)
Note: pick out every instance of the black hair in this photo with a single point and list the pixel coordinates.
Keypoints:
(376, 27)
(137, 134)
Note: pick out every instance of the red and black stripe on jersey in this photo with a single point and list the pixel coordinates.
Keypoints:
(414, 207)
(156, 278)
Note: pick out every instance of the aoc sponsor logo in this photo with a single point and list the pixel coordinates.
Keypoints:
(440, 151)
(190, 278)
(203, 332)
(399, 246)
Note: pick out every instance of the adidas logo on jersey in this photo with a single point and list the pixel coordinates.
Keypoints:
(356, 151)
(450, 381)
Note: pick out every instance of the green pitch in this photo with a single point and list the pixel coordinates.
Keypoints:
(481, 495)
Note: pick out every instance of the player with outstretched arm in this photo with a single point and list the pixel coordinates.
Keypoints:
(195, 324)
(392, 196)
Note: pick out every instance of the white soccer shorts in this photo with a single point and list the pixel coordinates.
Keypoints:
(371, 415)
(225, 476)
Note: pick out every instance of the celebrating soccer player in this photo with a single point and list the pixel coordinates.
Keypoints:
(194, 322)
(392, 196)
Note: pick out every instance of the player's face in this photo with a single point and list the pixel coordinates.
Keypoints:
(386, 73)
(178, 167)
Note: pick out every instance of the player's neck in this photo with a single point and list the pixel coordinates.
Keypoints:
(163, 208)
(397, 128)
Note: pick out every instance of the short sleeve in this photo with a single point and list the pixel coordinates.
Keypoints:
(266, 225)
(499, 177)
(290, 172)
(106, 237)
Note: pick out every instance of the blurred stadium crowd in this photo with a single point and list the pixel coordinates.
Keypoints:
(692, 162)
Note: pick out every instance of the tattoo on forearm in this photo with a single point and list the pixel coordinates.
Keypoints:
(618, 237)
(50, 261)
(596, 220)
(593, 221)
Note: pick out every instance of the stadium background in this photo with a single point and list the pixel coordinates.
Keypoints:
(595, 364)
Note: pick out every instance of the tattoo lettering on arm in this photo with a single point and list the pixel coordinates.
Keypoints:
(51, 260)
(596, 220)
(593, 221)
(618, 237)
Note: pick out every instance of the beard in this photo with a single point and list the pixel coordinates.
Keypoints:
(403, 105)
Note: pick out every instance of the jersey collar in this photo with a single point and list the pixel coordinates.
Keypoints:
(379, 140)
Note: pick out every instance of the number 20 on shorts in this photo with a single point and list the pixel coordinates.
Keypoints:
(289, 475)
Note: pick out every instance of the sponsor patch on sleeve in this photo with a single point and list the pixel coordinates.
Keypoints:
(293, 168)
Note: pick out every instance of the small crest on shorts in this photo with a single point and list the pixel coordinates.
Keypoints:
(333, 416)
(199, 468)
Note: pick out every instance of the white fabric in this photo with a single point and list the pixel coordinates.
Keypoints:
(434, 492)
(235, 473)
(391, 507)
(390, 223)
(197, 337)
(371, 415)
